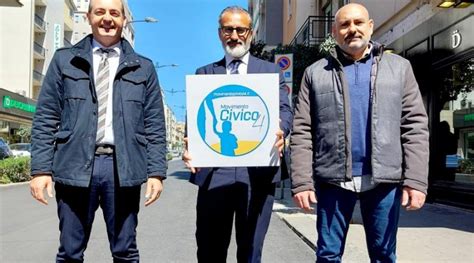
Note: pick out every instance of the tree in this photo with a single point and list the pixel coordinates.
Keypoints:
(25, 133)
(303, 56)
(459, 81)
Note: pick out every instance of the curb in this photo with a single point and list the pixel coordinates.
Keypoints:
(299, 234)
(13, 184)
(287, 213)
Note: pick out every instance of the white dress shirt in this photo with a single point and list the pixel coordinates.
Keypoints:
(242, 66)
(114, 58)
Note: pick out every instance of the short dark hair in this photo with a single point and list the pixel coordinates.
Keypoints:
(235, 9)
(121, 1)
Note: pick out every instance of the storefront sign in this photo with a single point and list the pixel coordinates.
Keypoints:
(9, 103)
(57, 36)
(456, 39)
(469, 117)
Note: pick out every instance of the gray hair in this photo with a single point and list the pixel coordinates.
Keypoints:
(235, 9)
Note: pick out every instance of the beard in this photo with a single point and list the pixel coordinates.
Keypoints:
(239, 50)
(352, 46)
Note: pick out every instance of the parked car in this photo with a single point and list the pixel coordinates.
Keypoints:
(175, 153)
(5, 151)
(21, 149)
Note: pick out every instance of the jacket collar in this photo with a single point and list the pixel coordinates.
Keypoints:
(377, 51)
(219, 67)
(83, 49)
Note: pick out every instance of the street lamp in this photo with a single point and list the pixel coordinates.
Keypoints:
(157, 65)
(147, 19)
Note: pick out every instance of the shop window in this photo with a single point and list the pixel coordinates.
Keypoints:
(455, 131)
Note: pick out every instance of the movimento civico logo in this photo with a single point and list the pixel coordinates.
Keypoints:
(233, 120)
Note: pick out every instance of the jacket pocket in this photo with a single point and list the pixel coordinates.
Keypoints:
(133, 88)
(76, 91)
(134, 78)
(62, 136)
(141, 139)
(138, 153)
(76, 84)
(133, 97)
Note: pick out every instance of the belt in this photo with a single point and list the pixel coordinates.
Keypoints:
(105, 149)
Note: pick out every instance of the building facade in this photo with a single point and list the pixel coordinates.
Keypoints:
(267, 16)
(174, 129)
(12, 3)
(31, 33)
(16, 112)
(439, 42)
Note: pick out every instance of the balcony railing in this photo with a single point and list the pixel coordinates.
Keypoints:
(313, 31)
(38, 76)
(67, 43)
(40, 22)
(39, 49)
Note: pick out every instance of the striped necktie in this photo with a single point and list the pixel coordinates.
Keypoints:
(234, 66)
(102, 90)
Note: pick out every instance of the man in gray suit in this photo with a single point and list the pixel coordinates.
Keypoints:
(244, 192)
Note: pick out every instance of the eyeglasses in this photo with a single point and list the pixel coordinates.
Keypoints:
(241, 31)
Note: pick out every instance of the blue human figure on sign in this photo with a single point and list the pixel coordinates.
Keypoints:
(228, 140)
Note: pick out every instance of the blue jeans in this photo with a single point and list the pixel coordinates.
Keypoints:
(76, 211)
(380, 208)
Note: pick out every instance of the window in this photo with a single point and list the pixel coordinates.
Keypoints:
(327, 10)
(342, 2)
(455, 130)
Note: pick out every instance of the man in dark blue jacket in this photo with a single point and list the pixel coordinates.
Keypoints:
(99, 133)
(244, 192)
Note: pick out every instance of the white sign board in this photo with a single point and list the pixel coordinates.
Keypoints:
(232, 119)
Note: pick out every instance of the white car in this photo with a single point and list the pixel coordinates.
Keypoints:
(175, 153)
(21, 149)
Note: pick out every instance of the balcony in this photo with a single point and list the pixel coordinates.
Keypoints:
(39, 51)
(313, 31)
(40, 24)
(68, 19)
(37, 78)
(67, 43)
(41, 2)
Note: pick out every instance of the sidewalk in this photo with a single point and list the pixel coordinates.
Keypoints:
(436, 233)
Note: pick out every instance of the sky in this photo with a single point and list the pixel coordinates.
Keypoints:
(186, 34)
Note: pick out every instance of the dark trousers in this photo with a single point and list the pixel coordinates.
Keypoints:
(76, 211)
(251, 205)
(380, 209)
